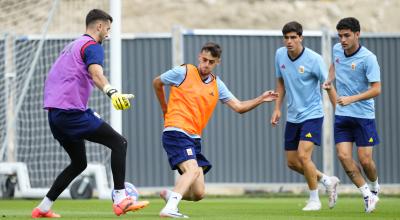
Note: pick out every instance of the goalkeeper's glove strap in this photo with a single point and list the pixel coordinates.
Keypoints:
(109, 90)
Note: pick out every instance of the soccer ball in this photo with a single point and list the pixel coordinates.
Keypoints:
(130, 191)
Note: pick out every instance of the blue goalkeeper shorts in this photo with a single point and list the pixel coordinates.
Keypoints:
(180, 148)
(72, 125)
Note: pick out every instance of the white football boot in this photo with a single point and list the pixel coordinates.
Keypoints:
(332, 191)
(169, 213)
(312, 205)
(370, 203)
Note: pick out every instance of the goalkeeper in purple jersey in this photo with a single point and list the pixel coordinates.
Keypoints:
(66, 93)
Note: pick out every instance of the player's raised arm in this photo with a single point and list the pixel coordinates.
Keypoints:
(245, 106)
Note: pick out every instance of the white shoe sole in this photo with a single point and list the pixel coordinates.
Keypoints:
(170, 215)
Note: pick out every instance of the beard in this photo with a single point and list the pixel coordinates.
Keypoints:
(204, 71)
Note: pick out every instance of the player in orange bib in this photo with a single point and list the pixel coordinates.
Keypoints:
(194, 93)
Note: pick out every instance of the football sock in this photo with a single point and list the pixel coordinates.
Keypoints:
(325, 180)
(119, 195)
(168, 194)
(365, 190)
(314, 195)
(45, 205)
(375, 185)
(173, 200)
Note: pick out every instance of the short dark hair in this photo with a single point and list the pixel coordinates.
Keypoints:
(293, 26)
(97, 14)
(213, 48)
(349, 23)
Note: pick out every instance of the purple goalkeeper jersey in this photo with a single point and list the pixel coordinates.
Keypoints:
(69, 84)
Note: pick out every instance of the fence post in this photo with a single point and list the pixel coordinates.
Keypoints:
(177, 46)
(327, 141)
(10, 97)
(177, 55)
(115, 60)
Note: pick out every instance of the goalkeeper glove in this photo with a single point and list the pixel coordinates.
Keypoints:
(119, 101)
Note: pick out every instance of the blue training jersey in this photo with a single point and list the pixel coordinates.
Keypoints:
(302, 78)
(354, 73)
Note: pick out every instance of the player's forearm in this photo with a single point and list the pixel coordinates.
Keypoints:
(100, 82)
(159, 91)
(281, 90)
(245, 106)
(370, 93)
(279, 100)
(96, 71)
(331, 75)
(161, 99)
(332, 96)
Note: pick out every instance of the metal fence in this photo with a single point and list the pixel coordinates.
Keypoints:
(242, 148)
(142, 60)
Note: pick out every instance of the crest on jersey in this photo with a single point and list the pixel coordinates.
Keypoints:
(353, 66)
(189, 151)
(337, 60)
(301, 69)
(283, 66)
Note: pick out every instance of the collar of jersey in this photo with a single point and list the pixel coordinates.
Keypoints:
(302, 51)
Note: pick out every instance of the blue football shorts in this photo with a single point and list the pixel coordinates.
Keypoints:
(309, 130)
(72, 125)
(362, 131)
(180, 147)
